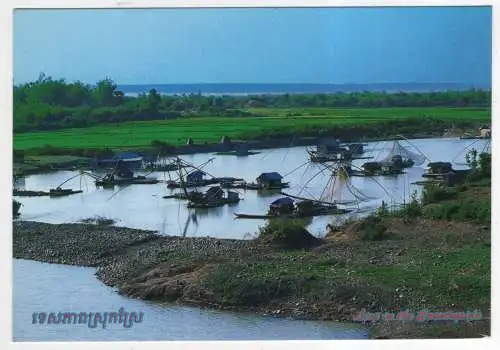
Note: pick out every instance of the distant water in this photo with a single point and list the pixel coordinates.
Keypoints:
(40, 287)
(260, 89)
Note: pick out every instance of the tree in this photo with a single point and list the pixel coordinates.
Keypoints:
(154, 100)
(105, 94)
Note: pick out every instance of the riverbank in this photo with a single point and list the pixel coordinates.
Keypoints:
(49, 158)
(429, 264)
(268, 124)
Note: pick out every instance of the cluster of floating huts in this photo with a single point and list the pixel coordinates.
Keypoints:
(223, 190)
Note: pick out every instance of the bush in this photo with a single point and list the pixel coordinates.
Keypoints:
(478, 211)
(372, 229)
(289, 233)
(434, 193)
(410, 210)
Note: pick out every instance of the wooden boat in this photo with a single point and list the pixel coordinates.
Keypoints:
(163, 167)
(224, 181)
(211, 204)
(254, 186)
(26, 193)
(59, 192)
(256, 216)
(303, 209)
(52, 193)
(325, 211)
(137, 180)
(200, 183)
(182, 195)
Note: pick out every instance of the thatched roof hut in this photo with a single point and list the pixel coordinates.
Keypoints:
(440, 168)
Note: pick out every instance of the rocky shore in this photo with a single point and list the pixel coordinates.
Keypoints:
(331, 279)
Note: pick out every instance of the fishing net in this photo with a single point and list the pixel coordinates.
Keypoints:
(341, 190)
(399, 150)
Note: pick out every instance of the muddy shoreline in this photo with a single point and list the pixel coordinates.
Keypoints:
(171, 263)
(59, 163)
(220, 273)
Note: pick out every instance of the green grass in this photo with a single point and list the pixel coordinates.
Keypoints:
(211, 129)
(461, 277)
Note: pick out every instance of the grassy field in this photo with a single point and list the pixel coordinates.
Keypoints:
(211, 129)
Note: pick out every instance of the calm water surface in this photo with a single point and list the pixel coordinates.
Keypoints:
(40, 287)
(142, 206)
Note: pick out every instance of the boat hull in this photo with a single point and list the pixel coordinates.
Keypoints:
(322, 212)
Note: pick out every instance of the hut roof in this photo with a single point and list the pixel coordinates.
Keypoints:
(196, 173)
(273, 176)
(283, 201)
(215, 190)
(440, 165)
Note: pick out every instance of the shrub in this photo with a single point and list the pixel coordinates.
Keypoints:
(289, 233)
(434, 193)
(372, 229)
(478, 211)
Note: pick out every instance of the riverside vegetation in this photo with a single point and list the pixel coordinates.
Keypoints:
(433, 253)
(61, 115)
(53, 120)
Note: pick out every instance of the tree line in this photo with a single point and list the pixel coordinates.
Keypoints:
(48, 104)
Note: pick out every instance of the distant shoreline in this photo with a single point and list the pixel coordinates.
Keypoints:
(249, 89)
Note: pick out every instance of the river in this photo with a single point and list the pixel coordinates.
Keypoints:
(142, 206)
(40, 287)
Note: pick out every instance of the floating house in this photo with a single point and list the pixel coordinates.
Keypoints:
(439, 168)
(356, 148)
(214, 193)
(444, 171)
(284, 205)
(267, 180)
(132, 160)
(328, 146)
(242, 149)
(123, 170)
(214, 197)
(195, 176)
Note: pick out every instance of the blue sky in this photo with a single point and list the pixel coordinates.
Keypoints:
(327, 45)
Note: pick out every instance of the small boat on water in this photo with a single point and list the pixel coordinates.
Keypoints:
(57, 192)
(183, 195)
(286, 208)
(110, 181)
(162, 167)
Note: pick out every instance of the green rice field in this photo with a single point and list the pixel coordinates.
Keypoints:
(211, 129)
